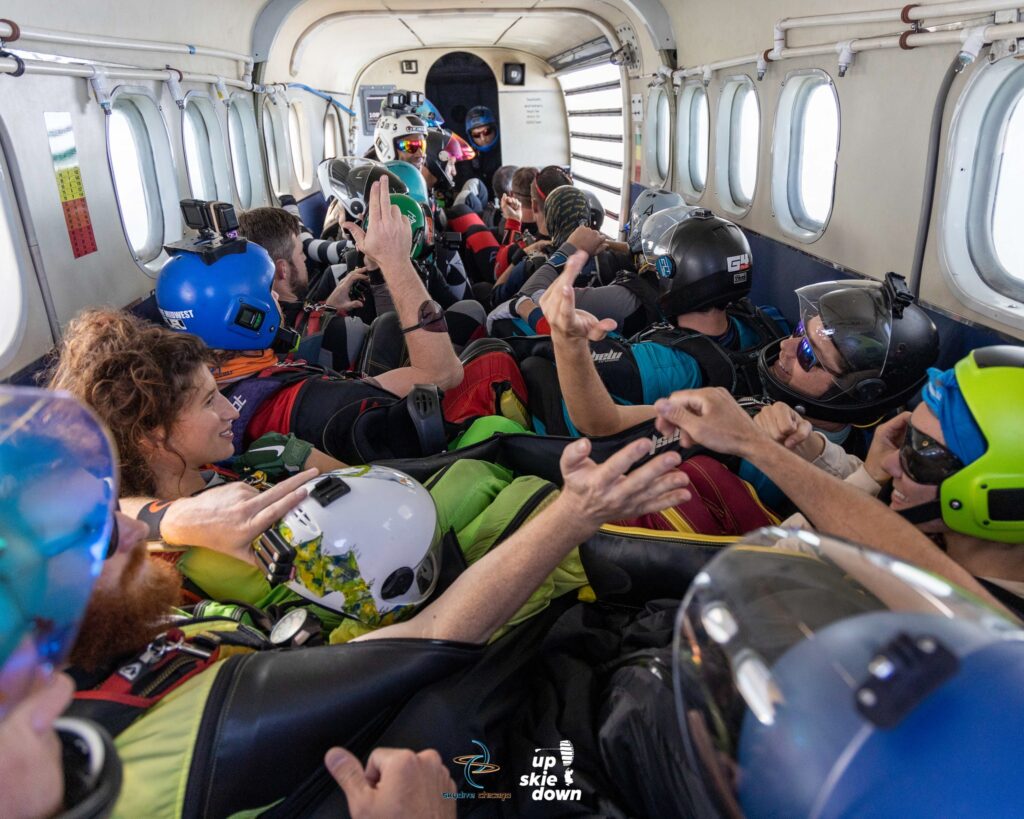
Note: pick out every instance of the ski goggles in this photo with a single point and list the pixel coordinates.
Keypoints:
(482, 132)
(411, 144)
(431, 318)
(924, 460)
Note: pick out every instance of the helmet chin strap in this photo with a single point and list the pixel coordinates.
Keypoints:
(922, 513)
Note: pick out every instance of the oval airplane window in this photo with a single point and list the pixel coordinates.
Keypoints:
(655, 130)
(692, 135)
(334, 135)
(805, 150)
(981, 242)
(239, 154)
(298, 138)
(272, 139)
(737, 131)
(135, 176)
(198, 144)
(664, 135)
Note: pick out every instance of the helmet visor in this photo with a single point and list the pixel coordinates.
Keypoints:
(775, 644)
(846, 328)
(58, 491)
(349, 178)
(655, 230)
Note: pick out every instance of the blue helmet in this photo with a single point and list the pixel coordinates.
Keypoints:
(413, 179)
(228, 303)
(818, 678)
(58, 490)
(478, 116)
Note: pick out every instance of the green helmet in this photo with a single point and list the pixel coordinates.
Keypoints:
(412, 211)
(412, 178)
(985, 499)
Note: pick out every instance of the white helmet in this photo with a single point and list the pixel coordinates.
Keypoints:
(657, 226)
(390, 127)
(367, 543)
(648, 202)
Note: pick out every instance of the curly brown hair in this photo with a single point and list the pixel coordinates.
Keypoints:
(137, 377)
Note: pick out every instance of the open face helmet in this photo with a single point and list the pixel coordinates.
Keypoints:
(649, 202)
(884, 341)
(367, 543)
(349, 178)
(814, 677)
(481, 124)
(706, 263)
(228, 303)
(412, 211)
(657, 226)
(392, 128)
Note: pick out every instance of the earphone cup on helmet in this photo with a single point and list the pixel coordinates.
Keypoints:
(870, 389)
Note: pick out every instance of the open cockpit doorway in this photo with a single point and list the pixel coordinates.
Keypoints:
(458, 83)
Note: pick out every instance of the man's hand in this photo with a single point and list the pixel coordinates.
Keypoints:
(888, 438)
(786, 426)
(396, 782)
(359, 240)
(709, 417)
(388, 239)
(228, 518)
(559, 306)
(588, 240)
(540, 246)
(341, 296)
(598, 493)
(511, 207)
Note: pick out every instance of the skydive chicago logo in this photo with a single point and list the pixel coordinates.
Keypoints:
(476, 765)
(544, 782)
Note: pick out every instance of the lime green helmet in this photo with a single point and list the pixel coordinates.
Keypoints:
(412, 211)
(985, 499)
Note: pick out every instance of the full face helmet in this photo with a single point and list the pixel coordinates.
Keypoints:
(58, 493)
(480, 116)
(657, 226)
(814, 677)
(706, 263)
(416, 186)
(985, 497)
(649, 202)
(348, 179)
(227, 303)
(392, 127)
(367, 543)
(885, 344)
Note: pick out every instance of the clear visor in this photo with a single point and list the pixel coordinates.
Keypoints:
(58, 492)
(656, 230)
(775, 643)
(847, 327)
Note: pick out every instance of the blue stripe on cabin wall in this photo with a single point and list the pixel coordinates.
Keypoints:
(779, 269)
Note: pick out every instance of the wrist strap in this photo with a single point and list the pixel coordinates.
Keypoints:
(152, 514)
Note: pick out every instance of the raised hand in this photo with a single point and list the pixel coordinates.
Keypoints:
(599, 493)
(786, 426)
(588, 240)
(888, 438)
(511, 207)
(709, 417)
(388, 237)
(559, 306)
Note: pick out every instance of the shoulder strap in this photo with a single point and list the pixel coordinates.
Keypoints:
(645, 293)
(766, 325)
(715, 362)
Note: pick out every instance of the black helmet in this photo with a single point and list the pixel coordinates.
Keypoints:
(436, 160)
(501, 181)
(885, 341)
(596, 209)
(706, 263)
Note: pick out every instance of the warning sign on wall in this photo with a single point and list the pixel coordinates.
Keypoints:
(64, 154)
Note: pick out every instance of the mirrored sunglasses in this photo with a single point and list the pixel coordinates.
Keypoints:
(482, 131)
(410, 145)
(431, 318)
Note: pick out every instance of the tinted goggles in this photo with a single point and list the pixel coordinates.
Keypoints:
(431, 318)
(924, 460)
(411, 145)
(482, 131)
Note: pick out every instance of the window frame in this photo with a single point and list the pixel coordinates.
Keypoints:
(331, 114)
(685, 153)
(240, 103)
(787, 151)
(651, 140)
(727, 136)
(160, 174)
(216, 157)
(967, 256)
(21, 267)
